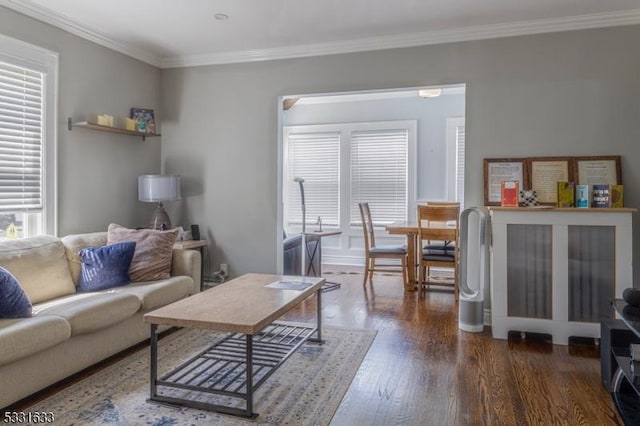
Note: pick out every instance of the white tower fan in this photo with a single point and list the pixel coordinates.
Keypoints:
(474, 270)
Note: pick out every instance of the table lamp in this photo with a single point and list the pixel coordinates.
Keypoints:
(156, 189)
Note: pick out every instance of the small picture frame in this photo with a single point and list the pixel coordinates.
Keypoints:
(510, 193)
(144, 120)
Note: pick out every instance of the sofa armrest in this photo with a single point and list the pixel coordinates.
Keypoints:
(189, 263)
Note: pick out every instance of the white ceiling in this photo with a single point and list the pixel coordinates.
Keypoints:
(172, 33)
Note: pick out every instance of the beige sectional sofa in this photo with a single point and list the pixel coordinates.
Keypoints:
(70, 331)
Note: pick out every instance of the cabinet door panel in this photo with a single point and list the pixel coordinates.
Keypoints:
(591, 255)
(529, 273)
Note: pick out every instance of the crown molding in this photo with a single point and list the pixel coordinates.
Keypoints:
(60, 21)
(482, 32)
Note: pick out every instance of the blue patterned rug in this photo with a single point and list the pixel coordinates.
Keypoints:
(306, 390)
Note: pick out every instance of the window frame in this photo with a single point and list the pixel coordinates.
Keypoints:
(344, 202)
(36, 58)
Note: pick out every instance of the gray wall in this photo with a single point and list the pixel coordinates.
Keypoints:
(572, 93)
(97, 172)
(431, 116)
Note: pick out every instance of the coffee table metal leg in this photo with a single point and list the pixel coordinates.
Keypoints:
(249, 338)
(319, 313)
(318, 338)
(154, 360)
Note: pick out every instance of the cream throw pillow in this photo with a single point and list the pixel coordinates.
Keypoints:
(154, 251)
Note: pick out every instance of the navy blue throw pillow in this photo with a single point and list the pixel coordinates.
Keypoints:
(14, 303)
(106, 266)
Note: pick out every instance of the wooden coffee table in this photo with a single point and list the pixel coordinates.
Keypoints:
(247, 308)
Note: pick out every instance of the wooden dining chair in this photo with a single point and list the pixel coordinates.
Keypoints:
(374, 252)
(438, 233)
(441, 244)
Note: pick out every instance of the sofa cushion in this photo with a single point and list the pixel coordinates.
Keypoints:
(154, 250)
(20, 338)
(154, 295)
(87, 312)
(14, 303)
(105, 266)
(50, 279)
(74, 243)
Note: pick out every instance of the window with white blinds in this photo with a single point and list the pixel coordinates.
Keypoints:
(315, 157)
(343, 164)
(21, 121)
(379, 167)
(28, 91)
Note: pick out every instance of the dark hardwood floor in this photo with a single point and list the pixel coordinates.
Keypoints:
(422, 370)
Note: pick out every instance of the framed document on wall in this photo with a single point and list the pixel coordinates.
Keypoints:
(498, 170)
(546, 173)
(542, 174)
(599, 170)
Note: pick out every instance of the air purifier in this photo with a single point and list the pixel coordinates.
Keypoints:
(474, 268)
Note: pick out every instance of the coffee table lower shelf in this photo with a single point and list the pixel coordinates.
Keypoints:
(221, 369)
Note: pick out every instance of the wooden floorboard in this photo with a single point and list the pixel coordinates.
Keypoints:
(422, 370)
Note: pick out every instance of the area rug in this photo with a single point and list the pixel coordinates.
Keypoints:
(306, 390)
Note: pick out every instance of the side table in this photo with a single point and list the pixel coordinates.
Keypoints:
(194, 245)
(317, 251)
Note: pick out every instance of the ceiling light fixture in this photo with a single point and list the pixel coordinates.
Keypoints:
(430, 93)
(221, 16)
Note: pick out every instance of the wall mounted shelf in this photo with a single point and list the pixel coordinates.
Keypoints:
(97, 127)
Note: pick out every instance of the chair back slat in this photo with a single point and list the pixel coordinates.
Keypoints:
(367, 225)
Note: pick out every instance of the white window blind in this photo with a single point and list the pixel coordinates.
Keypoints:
(460, 164)
(379, 168)
(315, 157)
(21, 124)
(455, 159)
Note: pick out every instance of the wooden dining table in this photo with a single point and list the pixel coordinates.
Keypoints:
(446, 232)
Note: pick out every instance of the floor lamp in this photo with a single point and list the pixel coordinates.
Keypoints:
(303, 248)
(328, 286)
